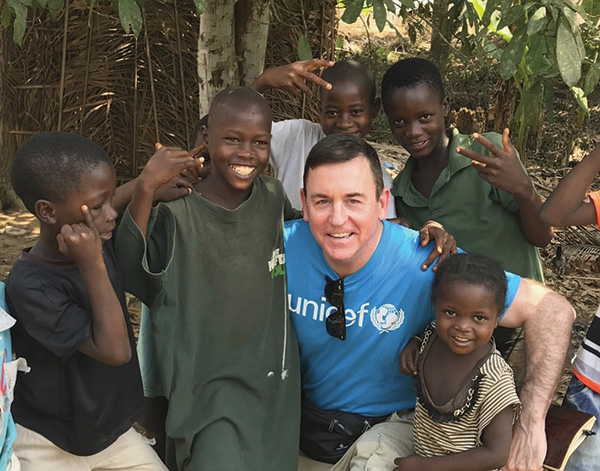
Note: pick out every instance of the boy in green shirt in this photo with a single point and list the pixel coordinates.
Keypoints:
(211, 268)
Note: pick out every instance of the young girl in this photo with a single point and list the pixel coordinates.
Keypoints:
(466, 398)
(569, 205)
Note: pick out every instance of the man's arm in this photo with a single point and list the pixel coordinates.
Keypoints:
(502, 169)
(546, 318)
(567, 204)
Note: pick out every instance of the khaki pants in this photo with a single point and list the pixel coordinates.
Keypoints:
(379, 446)
(131, 451)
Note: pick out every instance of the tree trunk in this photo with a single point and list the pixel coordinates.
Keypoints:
(217, 62)
(251, 32)
(8, 144)
(440, 33)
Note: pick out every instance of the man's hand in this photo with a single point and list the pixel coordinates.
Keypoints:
(409, 357)
(528, 448)
(502, 169)
(444, 243)
(80, 242)
(293, 77)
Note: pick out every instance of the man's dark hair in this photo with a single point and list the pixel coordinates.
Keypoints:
(411, 72)
(474, 269)
(341, 147)
(50, 166)
(242, 98)
(351, 71)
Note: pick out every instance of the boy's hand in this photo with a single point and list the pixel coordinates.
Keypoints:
(293, 77)
(176, 188)
(168, 163)
(444, 243)
(502, 168)
(80, 242)
(409, 357)
(409, 463)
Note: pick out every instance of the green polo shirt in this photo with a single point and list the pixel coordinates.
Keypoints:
(481, 218)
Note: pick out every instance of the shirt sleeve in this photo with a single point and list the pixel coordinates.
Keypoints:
(143, 261)
(595, 197)
(48, 313)
(513, 282)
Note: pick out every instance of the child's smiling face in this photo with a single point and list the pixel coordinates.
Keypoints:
(238, 141)
(347, 108)
(416, 116)
(466, 315)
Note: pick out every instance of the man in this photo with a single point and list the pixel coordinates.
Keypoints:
(352, 366)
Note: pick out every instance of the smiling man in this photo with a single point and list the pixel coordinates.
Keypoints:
(357, 296)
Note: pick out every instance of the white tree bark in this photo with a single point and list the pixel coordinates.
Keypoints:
(217, 62)
(252, 29)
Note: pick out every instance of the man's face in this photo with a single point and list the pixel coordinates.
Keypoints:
(347, 108)
(417, 118)
(341, 205)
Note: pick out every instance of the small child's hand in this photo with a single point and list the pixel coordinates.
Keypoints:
(445, 245)
(168, 163)
(409, 463)
(502, 168)
(409, 357)
(293, 77)
(80, 242)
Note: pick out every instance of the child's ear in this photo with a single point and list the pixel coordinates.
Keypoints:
(204, 135)
(45, 212)
(375, 107)
(446, 106)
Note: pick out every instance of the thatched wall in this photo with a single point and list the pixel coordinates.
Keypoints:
(81, 73)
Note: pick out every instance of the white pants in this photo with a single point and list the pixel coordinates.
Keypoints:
(131, 451)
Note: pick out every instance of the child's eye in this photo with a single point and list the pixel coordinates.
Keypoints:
(425, 117)
(449, 312)
(480, 318)
(398, 122)
(331, 113)
(357, 111)
(262, 143)
(232, 139)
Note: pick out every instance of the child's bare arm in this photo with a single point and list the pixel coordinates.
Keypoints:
(566, 205)
(502, 170)
(409, 357)
(492, 454)
(109, 342)
(292, 77)
(165, 164)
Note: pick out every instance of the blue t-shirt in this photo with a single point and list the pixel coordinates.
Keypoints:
(387, 303)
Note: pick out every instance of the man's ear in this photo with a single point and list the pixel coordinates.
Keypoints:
(45, 212)
(303, 200)
(384, 202)
(375, 108)
(446, 106)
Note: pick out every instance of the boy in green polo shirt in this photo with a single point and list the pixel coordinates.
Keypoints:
(474, 185)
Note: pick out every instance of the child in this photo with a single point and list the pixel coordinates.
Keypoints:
(466, 399)
(476, 187)
(211, 269)
(76, 408)
(348, 105)
(569, 205)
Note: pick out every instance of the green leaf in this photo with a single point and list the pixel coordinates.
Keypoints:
(567, 55)
(6, 16)
(41, 3)
(581, 100)
(412, 33)
(130, 16)
(352, 11)
(55, 6)
(512, 55)
(20, 22)
(511, 17)
(532, 100)
(200, 6)
(537, 21)
(537, 56)
(592, 7)
(571, 18)
(390, 5)
(591, 78)
(380, 14)
(304, 50)
(490, 7)
(410, 4)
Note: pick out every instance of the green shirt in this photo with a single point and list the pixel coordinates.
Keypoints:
(481, 218)
(227, 355)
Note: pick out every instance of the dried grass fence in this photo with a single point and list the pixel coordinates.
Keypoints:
(82, 73)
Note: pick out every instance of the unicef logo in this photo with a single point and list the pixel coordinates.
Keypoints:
(387, 318)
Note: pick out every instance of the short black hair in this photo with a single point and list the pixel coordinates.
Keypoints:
(242, 98)
(475, 269)
(50, 166)
(341, 147)
(411, 72)
(351, 71)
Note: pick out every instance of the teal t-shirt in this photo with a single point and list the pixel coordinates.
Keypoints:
(481, 218)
